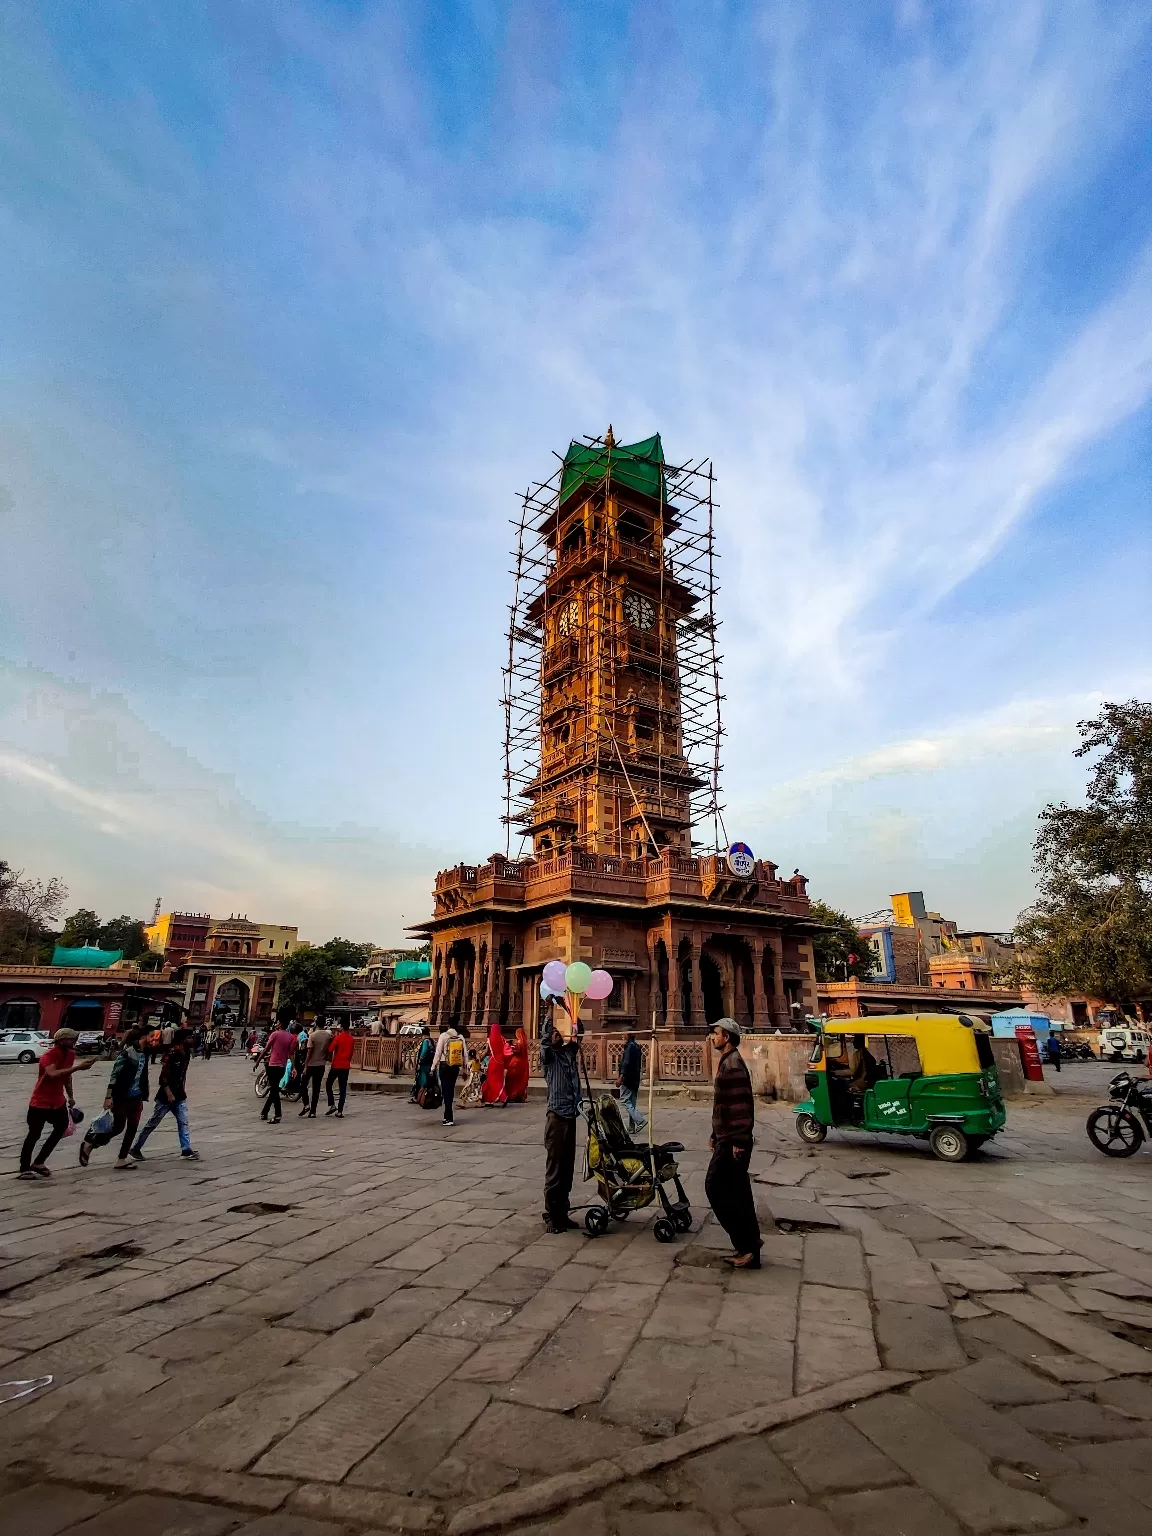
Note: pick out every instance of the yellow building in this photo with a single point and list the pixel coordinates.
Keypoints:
(174, 934)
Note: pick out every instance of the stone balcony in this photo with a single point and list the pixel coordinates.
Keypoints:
(511, 883)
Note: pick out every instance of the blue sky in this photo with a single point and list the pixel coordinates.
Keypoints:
(295, 299)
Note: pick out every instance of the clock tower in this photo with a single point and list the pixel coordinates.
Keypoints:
(611, 763)
(612, 775)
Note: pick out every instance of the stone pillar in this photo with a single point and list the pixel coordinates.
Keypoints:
(698, 1018)
(645, 1024)
(780, 1015)
(467, 987)
(760, 1014)
(491, 1000)
(675, 1001)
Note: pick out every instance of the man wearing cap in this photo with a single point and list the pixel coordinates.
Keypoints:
(727, 1185)
(51, 1102)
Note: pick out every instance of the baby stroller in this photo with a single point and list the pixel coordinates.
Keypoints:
(630, 1176)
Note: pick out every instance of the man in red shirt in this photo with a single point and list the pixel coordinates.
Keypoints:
(51, 1102)
(340, 1049)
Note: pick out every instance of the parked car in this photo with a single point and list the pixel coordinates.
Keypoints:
(24, 1045)
(1121, 1043)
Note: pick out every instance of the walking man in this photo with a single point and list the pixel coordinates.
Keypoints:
(315, 1060)
(340, 1050)
(276, 1055)
(727, 1185)
(127, 1095)
(171, 1098)
(559, 1061)
(448, 1060)
(51, 1102)
(631, 1066)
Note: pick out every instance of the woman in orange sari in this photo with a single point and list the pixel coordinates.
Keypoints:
(493, 1091)
(516, 1075)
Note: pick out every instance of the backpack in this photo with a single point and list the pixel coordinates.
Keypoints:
(454, 1055)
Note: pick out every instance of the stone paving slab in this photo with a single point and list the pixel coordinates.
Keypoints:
(402, 1347)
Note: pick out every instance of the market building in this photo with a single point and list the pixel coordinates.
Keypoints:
(611, 765)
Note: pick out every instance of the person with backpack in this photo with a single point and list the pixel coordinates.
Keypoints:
(127, 1095)
(448, 1060)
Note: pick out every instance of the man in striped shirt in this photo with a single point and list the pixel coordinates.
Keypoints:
(727, 1185)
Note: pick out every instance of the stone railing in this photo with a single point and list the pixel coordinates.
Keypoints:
(776, 1062)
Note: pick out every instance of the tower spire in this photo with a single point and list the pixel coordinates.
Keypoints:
(609, 437)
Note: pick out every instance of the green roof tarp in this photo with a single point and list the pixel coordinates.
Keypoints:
(412, 970)
(640, 466)
(90, 956)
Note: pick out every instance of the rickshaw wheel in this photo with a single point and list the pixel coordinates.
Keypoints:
(809, 1129)
(949, 1143)
(682, 1220)
(663, 1231)
(596, 1221)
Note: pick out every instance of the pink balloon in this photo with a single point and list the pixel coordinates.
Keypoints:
(554, 973)
(599, 987)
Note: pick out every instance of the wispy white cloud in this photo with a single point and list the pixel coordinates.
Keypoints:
(97, 797)
(847, 262)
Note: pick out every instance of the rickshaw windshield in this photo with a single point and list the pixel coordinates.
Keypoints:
(817, 1051)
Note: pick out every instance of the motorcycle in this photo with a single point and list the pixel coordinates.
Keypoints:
(1119, 1129)
(260, 1080)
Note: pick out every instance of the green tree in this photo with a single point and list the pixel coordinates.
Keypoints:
(343, 952)
(1090, 928)
(83, 927)
(124, 933)
(309, 980)
(840, 951)
(28, 908)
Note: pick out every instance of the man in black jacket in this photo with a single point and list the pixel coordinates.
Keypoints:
(171, 1098)
(631, 1066)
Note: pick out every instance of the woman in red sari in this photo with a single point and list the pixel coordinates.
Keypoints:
(516, 1076)
(493, 1091)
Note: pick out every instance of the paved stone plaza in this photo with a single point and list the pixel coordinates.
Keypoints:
(929, 1348)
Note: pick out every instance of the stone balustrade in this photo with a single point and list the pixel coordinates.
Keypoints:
(776, 1062)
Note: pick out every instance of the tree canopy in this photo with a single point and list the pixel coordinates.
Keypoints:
(28, 909)
(840, 952)
(1090, 928)
(343, 952)
(123, 932)
(309, 979)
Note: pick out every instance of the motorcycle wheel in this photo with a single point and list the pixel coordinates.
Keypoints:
(1115, 1132)
(260, 1085)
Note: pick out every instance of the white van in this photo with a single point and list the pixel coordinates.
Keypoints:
(1119, 1042)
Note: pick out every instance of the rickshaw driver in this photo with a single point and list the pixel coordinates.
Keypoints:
(852, 1070)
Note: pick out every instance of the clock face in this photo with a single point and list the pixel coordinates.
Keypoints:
(639, 612)
(568, 619)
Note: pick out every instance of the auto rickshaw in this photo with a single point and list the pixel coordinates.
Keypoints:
(928, 1075)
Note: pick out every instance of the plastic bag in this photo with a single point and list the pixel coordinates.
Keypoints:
(11, 1390)
(102, 1125)
(70, 1128)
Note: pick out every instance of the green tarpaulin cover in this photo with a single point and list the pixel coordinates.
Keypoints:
(412, 970)
(88, 956)
(637, 465)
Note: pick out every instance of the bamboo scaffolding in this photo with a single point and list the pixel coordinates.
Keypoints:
(685, 754)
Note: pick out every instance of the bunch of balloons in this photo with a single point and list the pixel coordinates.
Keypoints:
(569, 983)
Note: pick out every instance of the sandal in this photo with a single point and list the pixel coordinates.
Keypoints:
(85, 1152)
